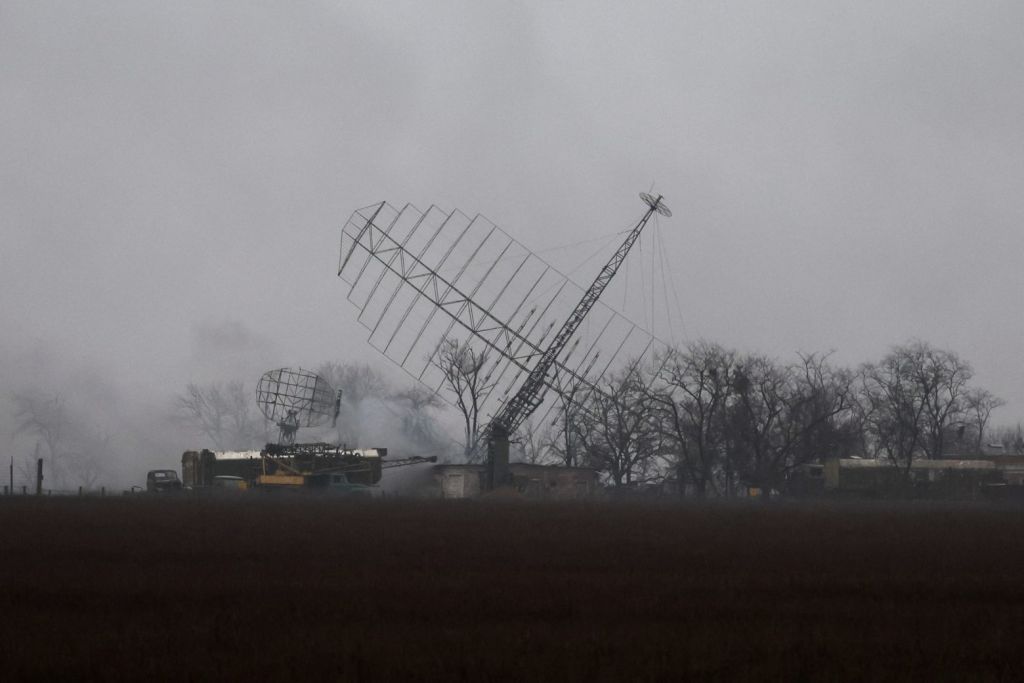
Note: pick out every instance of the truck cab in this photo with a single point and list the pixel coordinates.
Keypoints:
(162, 481)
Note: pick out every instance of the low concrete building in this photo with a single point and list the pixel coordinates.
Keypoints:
(533, 482)
(1012, 467)
(938, 479)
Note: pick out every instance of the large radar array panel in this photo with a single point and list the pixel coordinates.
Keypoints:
(420, 278)
(294, 398)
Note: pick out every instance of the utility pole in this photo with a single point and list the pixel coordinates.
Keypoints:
(39, 472)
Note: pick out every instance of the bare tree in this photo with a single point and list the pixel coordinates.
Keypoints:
(462, 367)
(417, 423)
(691, 400)
(223, 412)
(1011, 438)
(941, 378)
(755, 421)
(75, 449)
(358, 383)
(978, 405)
(562, 439)
(893, 411)
(86, 467)
(824, 418)
(203, 408)
(44, 417)
(911, 399)
(533, 444)
(26, 468)
(616, 429)
(246, 425)
(787, 416)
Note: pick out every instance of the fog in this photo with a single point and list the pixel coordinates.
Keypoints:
(173, 177)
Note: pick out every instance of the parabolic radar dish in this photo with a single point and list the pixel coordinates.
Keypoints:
(300, 397)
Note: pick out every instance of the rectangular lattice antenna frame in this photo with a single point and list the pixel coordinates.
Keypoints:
(403, 267)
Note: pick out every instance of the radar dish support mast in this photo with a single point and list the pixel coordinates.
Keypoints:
(529, 396)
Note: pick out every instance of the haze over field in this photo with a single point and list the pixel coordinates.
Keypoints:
(173, 177)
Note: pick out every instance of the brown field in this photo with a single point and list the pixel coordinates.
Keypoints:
(136, 588)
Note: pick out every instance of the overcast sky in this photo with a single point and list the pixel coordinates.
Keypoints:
(174, 175)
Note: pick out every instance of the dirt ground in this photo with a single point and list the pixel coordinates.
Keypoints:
(290, 588)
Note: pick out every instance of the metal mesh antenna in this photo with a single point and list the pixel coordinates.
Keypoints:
(293, 399)
(419, 278)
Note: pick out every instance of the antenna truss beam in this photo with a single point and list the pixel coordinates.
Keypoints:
(530, 394)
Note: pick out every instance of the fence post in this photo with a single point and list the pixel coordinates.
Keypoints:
(103, 491)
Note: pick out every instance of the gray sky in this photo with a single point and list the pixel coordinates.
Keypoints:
(174, 176)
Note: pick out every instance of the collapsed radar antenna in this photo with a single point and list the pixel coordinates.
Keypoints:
(424, 278)
(296, 398)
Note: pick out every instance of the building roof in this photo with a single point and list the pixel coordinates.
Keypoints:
(519, 466)
(235, 455)
(921, 464)
(252, 454)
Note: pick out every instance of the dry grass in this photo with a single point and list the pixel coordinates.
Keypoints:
(258, 589)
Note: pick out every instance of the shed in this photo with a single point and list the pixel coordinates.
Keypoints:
(534, 482)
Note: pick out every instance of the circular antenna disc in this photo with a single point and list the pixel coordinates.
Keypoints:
(656, 204)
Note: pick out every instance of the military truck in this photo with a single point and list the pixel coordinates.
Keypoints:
(162, 481)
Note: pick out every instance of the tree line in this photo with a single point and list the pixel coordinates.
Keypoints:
(713, 420)
(717, 421)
